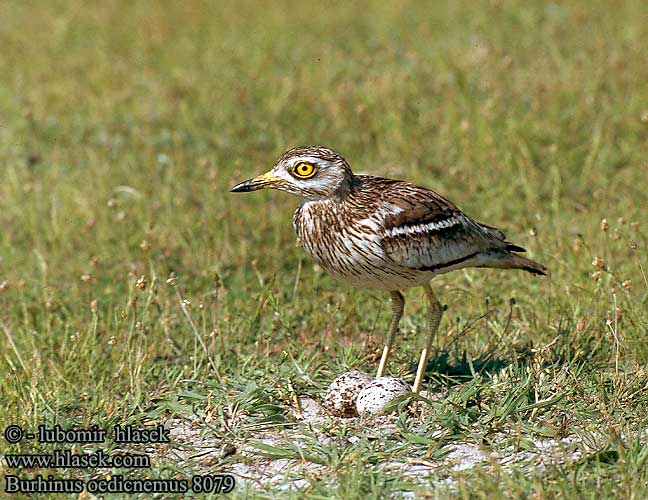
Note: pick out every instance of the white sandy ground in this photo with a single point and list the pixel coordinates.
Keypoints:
(201, 449)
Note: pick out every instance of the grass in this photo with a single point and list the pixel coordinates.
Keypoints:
(135, 289)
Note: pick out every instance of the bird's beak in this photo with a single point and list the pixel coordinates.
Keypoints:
(265, 181)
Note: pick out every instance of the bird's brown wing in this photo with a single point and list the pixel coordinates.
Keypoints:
(422, 230)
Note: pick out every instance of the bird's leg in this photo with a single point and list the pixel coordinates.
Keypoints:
(434, 318)
(398, 304)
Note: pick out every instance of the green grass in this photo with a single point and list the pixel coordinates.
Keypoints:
(125, 123)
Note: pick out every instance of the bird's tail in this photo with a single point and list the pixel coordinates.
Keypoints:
(505, 259)
(531, 266)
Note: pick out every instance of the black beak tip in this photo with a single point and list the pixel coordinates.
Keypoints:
(243, 187)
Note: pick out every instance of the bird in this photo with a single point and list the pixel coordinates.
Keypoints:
(384, 234)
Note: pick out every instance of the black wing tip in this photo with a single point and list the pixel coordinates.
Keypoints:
(514, 248)
(530, 266)
(537, 271)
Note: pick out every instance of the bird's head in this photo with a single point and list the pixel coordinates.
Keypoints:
(312, 172)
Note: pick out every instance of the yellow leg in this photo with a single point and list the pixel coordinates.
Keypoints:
(435, 311)
(398, 304)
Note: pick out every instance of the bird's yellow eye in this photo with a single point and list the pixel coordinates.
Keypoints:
(303, 170)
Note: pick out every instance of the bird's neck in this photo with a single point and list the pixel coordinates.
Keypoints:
(347, 187)
(343, 190)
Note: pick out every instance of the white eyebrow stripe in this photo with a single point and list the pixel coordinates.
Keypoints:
(423, 228)
(307, 159)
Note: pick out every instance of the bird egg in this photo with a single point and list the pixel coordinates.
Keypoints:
(340, 397)
(375, 395)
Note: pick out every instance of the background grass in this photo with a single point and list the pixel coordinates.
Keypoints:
(123, 124)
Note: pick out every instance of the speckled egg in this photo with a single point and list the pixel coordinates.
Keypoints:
(340, 397)
(375, 395)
